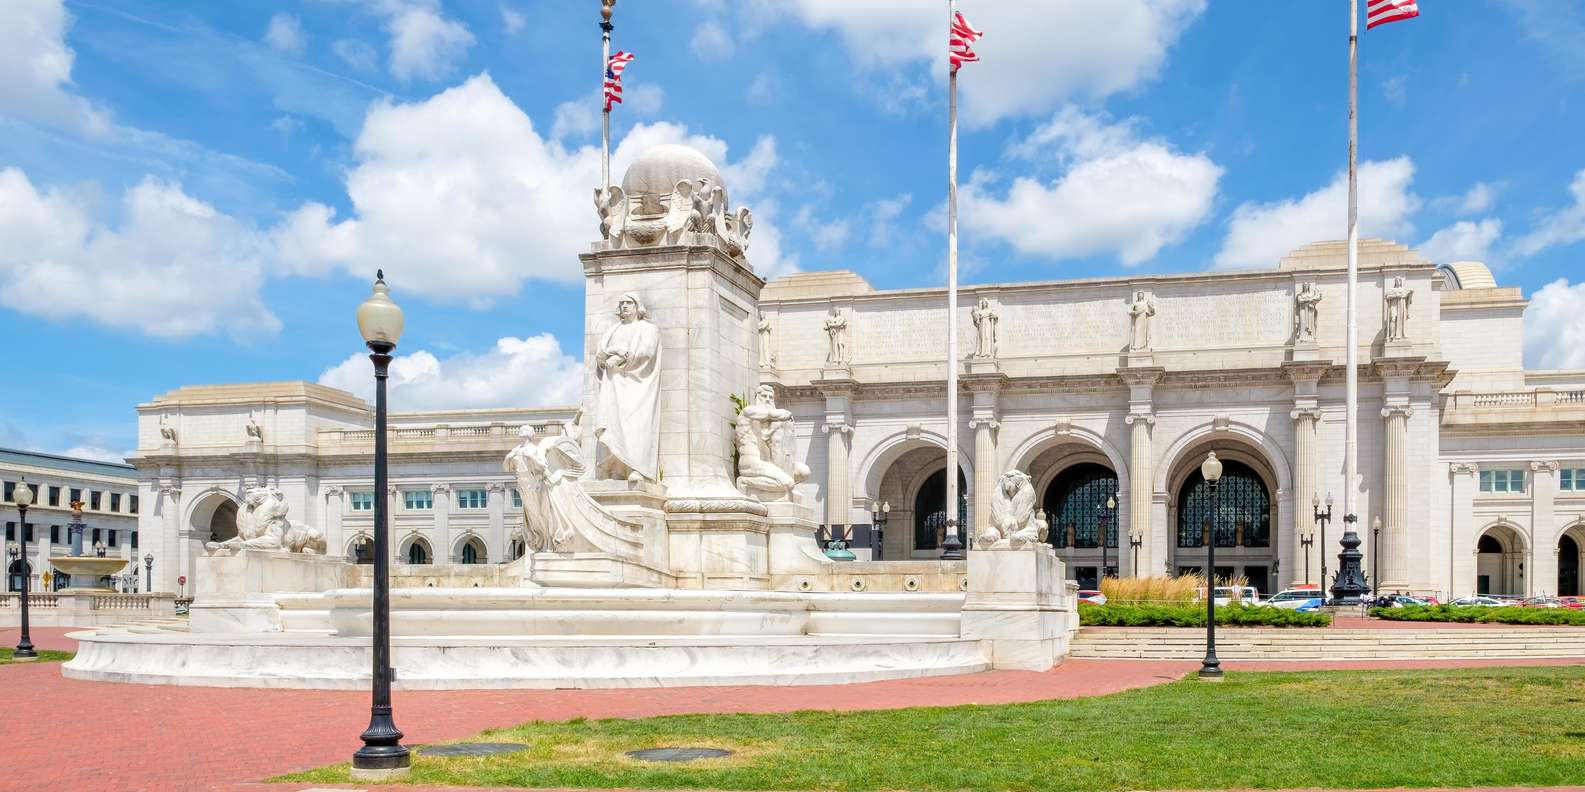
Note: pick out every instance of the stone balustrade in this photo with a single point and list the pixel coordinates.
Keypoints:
(437, 433)
(1540, 405)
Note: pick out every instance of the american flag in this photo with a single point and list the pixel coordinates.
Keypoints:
(963, 34)
(613, 77)
(1380, 12)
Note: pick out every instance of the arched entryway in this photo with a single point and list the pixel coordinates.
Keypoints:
(1076, 509)
(1241, 522)
(471, 551)
(930, 514)
(416, 551)
(1499, 562)
(361, 550)
(1568, 567)
(18, 573)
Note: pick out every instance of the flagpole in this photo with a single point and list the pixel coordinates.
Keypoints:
(952, 547)
(1351, 355)
(605, 115)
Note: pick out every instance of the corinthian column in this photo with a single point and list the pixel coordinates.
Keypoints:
(1304, 484)
(984, 473)
(1141, 479)
(1394, 546)
(838, 492)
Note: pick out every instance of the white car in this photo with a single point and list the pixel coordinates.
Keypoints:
(1305, 599)
(1479, 601)
(1247, 595)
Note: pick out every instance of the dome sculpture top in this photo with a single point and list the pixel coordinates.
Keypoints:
(657, 170)
(672, 195)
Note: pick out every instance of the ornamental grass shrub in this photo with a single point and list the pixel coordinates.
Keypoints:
(1162, 589)
(1479, 614)
(1191, 615)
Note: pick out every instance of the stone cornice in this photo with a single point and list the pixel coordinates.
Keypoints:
(1307, 371)
(1142, 375)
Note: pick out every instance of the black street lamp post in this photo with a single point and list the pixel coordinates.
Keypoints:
(23, 498)
(1211, 668)
(1306, 541)
(1375, 557)
(880, 512)
(1350, 585)
(1135, 541)
(1322, 518)
(148, 573)
(382, 756)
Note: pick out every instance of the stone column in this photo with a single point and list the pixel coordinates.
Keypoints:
(335, 538)
(1304, 478)
(1394, 543)
(495, 540)
(1463, 520)
(839, 498)
(1141, 478)
(985, 474)
(173, 562)
(1541, 573)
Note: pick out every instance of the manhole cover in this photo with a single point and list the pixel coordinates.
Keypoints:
(678, 754)
(473, 749)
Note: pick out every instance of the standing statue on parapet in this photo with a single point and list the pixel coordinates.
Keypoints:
(627, 407)
(837, 334)
(985, 329)
(1398, 297)
(1140, 309)
(766, 465)
(767, 358)
(1305, 312)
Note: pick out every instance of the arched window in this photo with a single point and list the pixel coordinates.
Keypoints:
(518, 549)
(930, 516)
(17, 575)
(1488, 544)
(1075, 505)
(472, 551)
(417, 553)
(1243, 508)
(363, 550)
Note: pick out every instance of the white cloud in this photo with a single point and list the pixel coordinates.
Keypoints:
(1554, 327)
(762, 90)
(459, 198)
(36, 69)
(513, 19)
(1032, 60)
(155, 272)
(1562, 227)
(1395, 89)
(424, 43)
(285, 33)
(883, 216)
(355, 53)
(1481, 197)
(824, 235)
(1463, 241)
(1119, 194)
(711, 42)
(581, 117)
(516, 372)
(97, 453)
(1260, 234)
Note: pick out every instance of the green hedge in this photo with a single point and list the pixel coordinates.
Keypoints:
(1476, 613)
(1194, 616)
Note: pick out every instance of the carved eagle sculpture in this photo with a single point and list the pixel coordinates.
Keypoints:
(1014, 522)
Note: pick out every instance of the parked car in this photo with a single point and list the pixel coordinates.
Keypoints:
(1092, 596)
(1543, 602)
(1399, 601)
(1300, 599)
(1479, 600)
(1573, 602)
(1248, 595)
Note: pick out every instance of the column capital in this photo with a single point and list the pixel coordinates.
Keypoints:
(172, 491)
(440, 489)
(1311, 413)
(496, 486)
(1148, 418)
(1392, 410)
(333, 489)
(1550, 467)
(977, 422)
(1463, 468)
(840, 427)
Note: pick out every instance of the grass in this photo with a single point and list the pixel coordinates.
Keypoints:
(45, 656)
(1456, 727)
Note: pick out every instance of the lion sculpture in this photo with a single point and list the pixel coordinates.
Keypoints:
(1015, 522)
(262, 525)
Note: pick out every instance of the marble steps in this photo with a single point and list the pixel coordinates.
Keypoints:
(1331, 644)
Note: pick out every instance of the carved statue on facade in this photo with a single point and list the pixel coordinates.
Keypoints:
(985, 328)
(767, 468)
(697, 206)
(167, 432)
(558, 514)
(1398, 297)
(837, 334)
(1015, 522)
(627, 407)
(1140, 309)
(611, 204)
(1305, 312)
(767, 358)
(262, 525)
(255, 432)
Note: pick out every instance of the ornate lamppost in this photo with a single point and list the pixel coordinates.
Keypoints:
(148, 573)
(1375, 557)
(23, 498)
(880, 512)
(1321, 519)
(1350, 584)
(1135, 541)
(1211, 668)
(1106, 534)
(1306, 541)
(382, 756)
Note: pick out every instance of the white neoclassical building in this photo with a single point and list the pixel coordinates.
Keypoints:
(1102, 390)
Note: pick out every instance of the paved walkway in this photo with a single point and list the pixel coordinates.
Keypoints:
(191, 738)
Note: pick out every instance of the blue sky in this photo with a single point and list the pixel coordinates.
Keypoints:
(200, 192)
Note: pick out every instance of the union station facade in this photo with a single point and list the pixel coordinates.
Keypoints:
(1474, 465)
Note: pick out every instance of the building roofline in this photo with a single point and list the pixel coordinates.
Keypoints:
(78, 464)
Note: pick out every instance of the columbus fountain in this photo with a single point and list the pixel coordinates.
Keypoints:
(669, 543)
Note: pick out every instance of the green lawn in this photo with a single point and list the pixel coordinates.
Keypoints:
(45, 655)
(1462, 727)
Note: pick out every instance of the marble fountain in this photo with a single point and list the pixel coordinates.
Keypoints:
(669, 544)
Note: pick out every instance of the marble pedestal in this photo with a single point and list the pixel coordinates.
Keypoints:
(644, 561)
(1020, 602)
(236, 591)
(795, 553)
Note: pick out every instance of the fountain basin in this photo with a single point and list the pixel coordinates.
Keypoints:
(92, 567)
